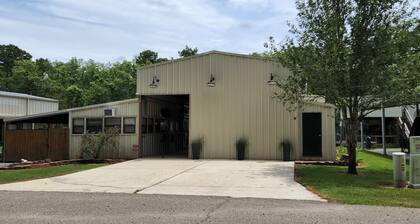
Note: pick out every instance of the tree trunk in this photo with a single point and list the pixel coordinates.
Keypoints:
(351, 125)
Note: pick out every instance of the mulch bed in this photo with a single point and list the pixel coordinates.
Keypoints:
(46, 163)
(326, 163)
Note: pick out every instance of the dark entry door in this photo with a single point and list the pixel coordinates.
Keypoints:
(312, 139)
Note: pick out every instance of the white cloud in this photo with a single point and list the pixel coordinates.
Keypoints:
(107, 29)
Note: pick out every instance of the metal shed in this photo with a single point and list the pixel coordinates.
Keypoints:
(14, 105)
(61, 135)
(222, 97)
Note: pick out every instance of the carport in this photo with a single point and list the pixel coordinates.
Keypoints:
(37, 137)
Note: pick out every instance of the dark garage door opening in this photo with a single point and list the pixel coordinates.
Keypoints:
(165, 125)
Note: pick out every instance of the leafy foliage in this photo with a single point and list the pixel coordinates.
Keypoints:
(356, 54)
(148, 57)
(94, 144)
(75, 82)
(187, 52)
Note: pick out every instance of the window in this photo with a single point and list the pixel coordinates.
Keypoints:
(25, 126)
(42, 126)
(130, 125)
(11, 127)
(113, 122)
(78, 125)
(93, 125)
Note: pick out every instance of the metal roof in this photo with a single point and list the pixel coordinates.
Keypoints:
(206, 54)
(25, 96)
(66, 111)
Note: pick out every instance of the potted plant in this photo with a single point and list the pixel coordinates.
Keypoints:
(196, 147)
(241, 145)
(286, 145)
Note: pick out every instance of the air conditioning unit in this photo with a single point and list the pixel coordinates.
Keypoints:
(109, 112)
(415, 162)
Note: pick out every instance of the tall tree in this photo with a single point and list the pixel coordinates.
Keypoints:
(346, 51)
(148, 57)
(9, 55)
(187, 52)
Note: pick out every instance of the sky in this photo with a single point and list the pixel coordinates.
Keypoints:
(116, 30)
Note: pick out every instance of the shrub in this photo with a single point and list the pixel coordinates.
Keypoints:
(241, 145)
(286, 146)
(340, 152)
(196, 147)
(93, 144)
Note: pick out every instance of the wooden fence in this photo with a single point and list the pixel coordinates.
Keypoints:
(52, 143)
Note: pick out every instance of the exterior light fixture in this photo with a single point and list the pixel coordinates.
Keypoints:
(154, 83)
(212, 81)
(271, 81)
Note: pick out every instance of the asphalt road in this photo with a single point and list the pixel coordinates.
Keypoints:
(50, 207)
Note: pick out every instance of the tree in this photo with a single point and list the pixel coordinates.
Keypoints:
(148, 57)
(346, 51)
(9, 55)
(187, 52)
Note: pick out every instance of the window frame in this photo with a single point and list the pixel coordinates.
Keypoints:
(130, 125)
(94, 118)
(83, 126)
(105, 126)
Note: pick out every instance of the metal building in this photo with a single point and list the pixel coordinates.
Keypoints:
(18, 104)
(221, 97)
(60, 137)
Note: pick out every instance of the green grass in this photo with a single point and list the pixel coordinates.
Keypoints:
(373, 185)
(9, 176)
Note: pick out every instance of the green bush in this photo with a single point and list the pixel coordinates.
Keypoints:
(340, 151)
(241, 145)
(93, 144)
(196, 147)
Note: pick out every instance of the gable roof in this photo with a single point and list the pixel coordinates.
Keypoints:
(206, 54)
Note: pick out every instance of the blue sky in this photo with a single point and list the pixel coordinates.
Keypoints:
(112, 30)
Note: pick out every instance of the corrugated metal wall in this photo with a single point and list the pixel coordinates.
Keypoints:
(240, 104)
(128, 108)
(16, 106)
(37, 106)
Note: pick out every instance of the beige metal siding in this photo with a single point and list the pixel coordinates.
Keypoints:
(328, 130)
(12, 107)
(241, 104)
(17, 106)
(38, 106)
(125, 141)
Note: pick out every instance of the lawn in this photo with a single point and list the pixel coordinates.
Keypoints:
(9, 176)
(373, 185)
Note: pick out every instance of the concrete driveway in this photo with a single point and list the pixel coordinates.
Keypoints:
(254, 179)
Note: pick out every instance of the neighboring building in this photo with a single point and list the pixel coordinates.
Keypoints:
(399, 125)
(217, 96)
(19, 104)
(61, 135)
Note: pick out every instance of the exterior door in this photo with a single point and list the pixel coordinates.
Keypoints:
(312, 138)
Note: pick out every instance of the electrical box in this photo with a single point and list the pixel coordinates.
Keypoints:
(414, 162)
